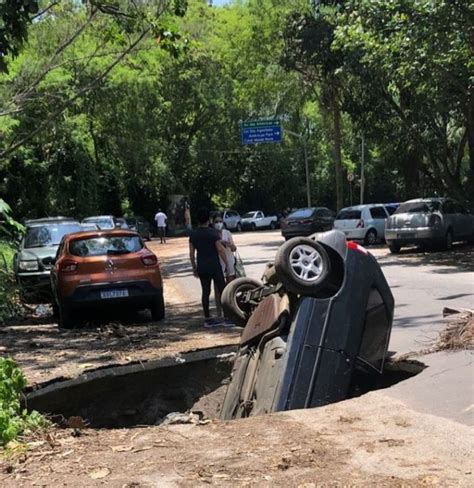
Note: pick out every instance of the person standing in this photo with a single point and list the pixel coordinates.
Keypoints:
(205, 249)
(161, 219)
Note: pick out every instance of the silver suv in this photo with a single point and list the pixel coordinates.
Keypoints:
(429, 222)
(363, 222)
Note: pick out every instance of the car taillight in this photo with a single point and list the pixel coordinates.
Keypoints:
(434, 221)
(360, 224)
(149, 260)
(356, 247)
(68, 266)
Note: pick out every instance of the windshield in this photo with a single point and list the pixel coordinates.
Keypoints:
(302, 213)
(48, 235)
(418, 207)
(102, 246)
(249, 215)
(102, 222)
(348, 215)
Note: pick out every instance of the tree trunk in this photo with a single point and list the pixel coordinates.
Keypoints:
(336, 113)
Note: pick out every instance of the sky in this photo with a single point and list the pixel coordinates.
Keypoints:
(220, 2)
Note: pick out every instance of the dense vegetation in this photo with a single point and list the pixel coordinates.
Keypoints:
(110, 107)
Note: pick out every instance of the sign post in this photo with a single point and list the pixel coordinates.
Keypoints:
(261, 131)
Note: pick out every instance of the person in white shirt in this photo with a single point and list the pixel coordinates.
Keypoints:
(160, 219)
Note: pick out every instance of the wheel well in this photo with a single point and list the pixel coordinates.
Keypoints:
(372, 228)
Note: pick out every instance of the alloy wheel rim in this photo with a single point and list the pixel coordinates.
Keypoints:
(306, 263)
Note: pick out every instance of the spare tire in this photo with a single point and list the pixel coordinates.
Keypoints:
(303, 266)
(232, 306)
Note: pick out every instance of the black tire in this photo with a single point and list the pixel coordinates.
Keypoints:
(272, 225)
(233, 309)
(253, 227)
(239, 227)
(65, 321)
(394, 248)
(318, 269)
(447, 243)
(371, 237)
(157, 308)
(55, 307)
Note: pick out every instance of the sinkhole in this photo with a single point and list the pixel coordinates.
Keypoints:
(145, 393)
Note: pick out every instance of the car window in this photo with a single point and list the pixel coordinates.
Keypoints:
(302, 213)
(48, 235)
(378, 213)
(349, 215)
(102, 246)
(418, 207)
(391, 209)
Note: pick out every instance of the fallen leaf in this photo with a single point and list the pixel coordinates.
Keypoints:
(99, 473)
(76, 423)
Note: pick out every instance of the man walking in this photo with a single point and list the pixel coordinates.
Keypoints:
(205, 245)
(160, 219)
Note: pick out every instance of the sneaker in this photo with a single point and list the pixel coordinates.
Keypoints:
(228, 323)
(211, 322)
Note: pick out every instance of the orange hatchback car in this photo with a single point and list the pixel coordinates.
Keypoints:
(103, 268)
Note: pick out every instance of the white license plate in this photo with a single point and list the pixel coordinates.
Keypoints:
(114, 293)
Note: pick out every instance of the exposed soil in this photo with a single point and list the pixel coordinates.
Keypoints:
(368, 441)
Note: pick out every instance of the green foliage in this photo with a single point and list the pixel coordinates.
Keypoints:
(13, 420)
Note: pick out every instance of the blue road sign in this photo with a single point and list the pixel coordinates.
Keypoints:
(261, 131)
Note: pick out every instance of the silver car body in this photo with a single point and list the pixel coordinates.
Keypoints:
(358, 221)
(430, 221)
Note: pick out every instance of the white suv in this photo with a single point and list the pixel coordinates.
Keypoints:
(363, 222)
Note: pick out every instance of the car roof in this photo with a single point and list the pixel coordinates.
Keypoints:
(365, 205)
(91, 234)
(98, 217)
(429, 199)
(52, 220)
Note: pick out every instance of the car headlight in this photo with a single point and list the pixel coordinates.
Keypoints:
(28, 266)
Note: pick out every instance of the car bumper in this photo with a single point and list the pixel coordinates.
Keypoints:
(419, 235)
(35, 287)
(140, 293)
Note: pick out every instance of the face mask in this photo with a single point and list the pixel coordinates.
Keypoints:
(219, 225)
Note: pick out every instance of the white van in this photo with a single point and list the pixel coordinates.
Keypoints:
(363, 222)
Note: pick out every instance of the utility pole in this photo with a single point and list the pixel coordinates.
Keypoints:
(304, 141)
(362, 176)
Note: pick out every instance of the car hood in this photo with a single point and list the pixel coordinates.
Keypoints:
(39, 253)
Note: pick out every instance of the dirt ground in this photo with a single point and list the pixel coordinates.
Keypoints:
(368, 441)
(46, 353)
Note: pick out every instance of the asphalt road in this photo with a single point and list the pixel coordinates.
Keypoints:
(422, 284)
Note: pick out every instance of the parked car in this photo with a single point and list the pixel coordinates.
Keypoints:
(256, 220)
(429, 222)
(363, 222)
(104, 222)
(231, 218)
(140, 225)
(120, 223)
(316, 329)
(36, 253)
(85, 226)
(307, 221)
(105, 268)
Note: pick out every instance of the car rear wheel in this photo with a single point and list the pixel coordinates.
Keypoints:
(253, 227)
(303, 266)
(239, 227)
(232, 304)
(448, 241)
(370, 237)
(272, 225)
(65, 321)
(394, 248)
(157, 308)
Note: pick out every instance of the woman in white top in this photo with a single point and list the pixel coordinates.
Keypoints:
(230, 248)
(229, 271)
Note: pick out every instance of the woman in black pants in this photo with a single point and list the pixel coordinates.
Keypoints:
(205, 242)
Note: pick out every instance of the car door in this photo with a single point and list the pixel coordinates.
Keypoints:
(379, 215)
(464, 220)
(451, 218)
(260, 220)
(231, 219)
